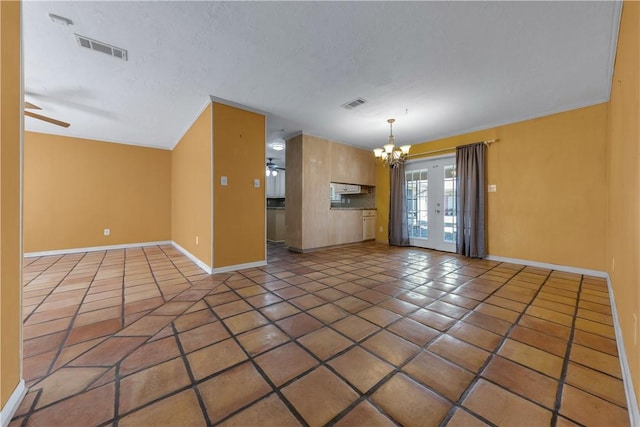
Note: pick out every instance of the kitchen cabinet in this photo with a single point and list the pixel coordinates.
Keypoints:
(351, 164)
(346, 188)
(345, 226)
(276, 224)
(276, 185)
(368, 224)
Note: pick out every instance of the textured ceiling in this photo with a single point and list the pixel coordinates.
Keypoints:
(439, 68)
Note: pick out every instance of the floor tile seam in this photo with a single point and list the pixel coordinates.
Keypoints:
(192, 378)
(32, 408)
(58, 284)
(155, 279)
(493, 354)
(264, 376)
(71, 323)
(116, 401)
(565, 363)
(170, 259)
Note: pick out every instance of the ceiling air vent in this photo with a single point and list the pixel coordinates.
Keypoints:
(353, 104)
(101, 47)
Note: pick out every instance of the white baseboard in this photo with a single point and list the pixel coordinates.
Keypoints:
(557, 267)
(192, 257)
(95, 248)
(12, 404)
(629, 391)
(239, 267)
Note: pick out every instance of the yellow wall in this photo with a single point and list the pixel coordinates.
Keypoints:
(10, 230)
(75, 188)
(550, 204)
(191, 189)
(623, 231)
(239, 208)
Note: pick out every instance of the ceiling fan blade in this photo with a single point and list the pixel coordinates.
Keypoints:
(46, 119)
(31, 106)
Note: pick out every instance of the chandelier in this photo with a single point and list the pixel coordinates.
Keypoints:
(390, 155)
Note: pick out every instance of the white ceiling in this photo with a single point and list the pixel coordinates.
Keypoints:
(439, 68)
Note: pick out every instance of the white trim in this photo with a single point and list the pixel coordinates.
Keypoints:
(95, 248)
(12, 404)
(192, 257)
(616, 17)
(629, 391)
(429, 158)
(237, 105)
(239, 267)
(557, 267)
(68, 134)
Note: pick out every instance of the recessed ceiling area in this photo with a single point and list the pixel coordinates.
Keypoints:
(438, 68)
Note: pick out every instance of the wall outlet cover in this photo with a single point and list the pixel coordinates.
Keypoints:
(223, 180)
(107, 231)
(256, 183)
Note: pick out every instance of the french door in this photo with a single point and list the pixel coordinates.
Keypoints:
(431, 203)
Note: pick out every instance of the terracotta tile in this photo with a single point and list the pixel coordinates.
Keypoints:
(221, 298)
(93, 407)
(109, 352)
(509, 304)
(604, 330)
(227, 392)
(37, 366)
(279, 311)
(364, 414)
(555, 306)
(193, 320)
(331, 294)
(69, 353)
(26, 404)
(460, 301)
(398, 306)
(66, 382)
(413, 331)
(459, 352)
(542, 341)
(173, 308)
(390, 347)
(545, 326)
(595, 342)
(203, 336)
(328, 313)
(462, 418)
(446, 378)
(180, 409)
(325, 342)
(250, 291)
(152, 383)
(299, 325)
(352, 304)
(596, 360)
(447, 309)
(504, 408)
(245, 321)
(285, 362)
(414, 298)
(144, 305)
(262, 339)
(46, 328)
(379, 316)
(215, 358)
(268, 412)
(433, 319)
(409, 403)
(319, 386)
(522, 381)
(263, 300)
(532, 357)
(146, 326)
(550, 315)
(588, 409)
(360, 368)
(482, 338)
(150, 354)
(290, 292)
(597, 383)
(306, 302)
(231, 309)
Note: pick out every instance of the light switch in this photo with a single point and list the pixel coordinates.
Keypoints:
(256, 183)
(492, 188)
(223, 180)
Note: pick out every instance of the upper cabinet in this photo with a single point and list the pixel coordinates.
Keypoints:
(276, 185)
(352, 165)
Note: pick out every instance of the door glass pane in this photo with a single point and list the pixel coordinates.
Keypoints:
(417, 184)
(449, 204)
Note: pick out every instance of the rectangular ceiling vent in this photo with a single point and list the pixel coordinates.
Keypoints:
(101, 47)
(353, 104)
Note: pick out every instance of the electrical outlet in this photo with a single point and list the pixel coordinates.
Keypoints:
(107, 232)
(223, 180)
(492, 188)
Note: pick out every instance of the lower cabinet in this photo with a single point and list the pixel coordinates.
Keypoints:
(345, 226)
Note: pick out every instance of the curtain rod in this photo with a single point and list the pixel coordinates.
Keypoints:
(487, 142)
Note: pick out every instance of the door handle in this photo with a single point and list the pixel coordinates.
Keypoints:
(437, 211)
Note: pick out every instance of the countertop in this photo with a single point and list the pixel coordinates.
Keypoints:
(353, 209)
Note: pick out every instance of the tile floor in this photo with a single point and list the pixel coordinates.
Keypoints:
(364, 335)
